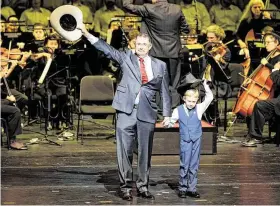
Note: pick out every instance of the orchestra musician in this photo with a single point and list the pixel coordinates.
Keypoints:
(12, 66)
(265, 110)
(56, 78)
(12, 116)
(251, 24)
(10, 112)
(218, 57)
(217, 54)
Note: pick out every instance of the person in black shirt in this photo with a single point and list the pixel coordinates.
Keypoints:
(252, 20)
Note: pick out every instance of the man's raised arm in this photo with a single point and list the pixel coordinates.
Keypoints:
(101, 45)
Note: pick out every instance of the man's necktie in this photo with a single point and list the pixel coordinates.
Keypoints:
(144, 75)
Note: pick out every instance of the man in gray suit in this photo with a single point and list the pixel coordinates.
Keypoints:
(134, 101)
(163, 22)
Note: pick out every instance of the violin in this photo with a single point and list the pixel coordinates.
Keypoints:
(213, 49)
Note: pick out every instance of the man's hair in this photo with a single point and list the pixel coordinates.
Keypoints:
(191, 93)
(217, 30)
(144, 35)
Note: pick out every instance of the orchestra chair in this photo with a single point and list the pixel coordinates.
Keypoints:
(4, 125)
(96, 97)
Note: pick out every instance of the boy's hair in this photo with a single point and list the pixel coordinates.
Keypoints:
(191, 93)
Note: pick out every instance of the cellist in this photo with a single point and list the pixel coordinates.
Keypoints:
(265, 110)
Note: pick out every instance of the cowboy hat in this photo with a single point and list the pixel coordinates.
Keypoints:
(188, 82)
(65, 20)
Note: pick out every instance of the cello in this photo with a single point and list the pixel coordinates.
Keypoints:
(258, 86)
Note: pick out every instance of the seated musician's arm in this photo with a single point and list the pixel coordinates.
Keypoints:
(275, 77)
(276, 67)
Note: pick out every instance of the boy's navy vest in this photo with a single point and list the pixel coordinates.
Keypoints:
(190, 128)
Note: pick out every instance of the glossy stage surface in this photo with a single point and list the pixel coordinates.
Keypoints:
(76, 174)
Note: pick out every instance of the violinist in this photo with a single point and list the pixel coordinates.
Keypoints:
(251, 20)
(217, 54)
(11, 67)
(265, 110)
(56, 78)
(217, 58)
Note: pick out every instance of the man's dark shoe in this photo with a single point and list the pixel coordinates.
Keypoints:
(193, 194)
(182, 194)
(146, 195)
(126, 196)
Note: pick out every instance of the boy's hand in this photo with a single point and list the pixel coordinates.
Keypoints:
(166, 121)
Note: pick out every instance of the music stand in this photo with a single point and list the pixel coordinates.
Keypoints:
(220, 75)
(47, 116)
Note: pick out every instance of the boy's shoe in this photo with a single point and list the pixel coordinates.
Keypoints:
(193, 194)
(182, 194)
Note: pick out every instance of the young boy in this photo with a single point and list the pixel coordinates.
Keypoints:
(189, 117)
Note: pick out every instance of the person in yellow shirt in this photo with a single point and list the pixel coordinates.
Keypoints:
(87, 14)
(7, 11)
(33, 15)
(196, 15)
(104, 15)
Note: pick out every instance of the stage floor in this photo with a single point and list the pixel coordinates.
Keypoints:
(76, 174)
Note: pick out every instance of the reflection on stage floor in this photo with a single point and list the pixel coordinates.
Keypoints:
(76, 174)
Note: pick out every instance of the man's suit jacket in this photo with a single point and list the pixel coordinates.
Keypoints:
(130, 84)
(163, 22)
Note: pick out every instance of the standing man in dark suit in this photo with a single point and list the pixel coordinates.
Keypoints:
(163, 22)
(134, 101)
